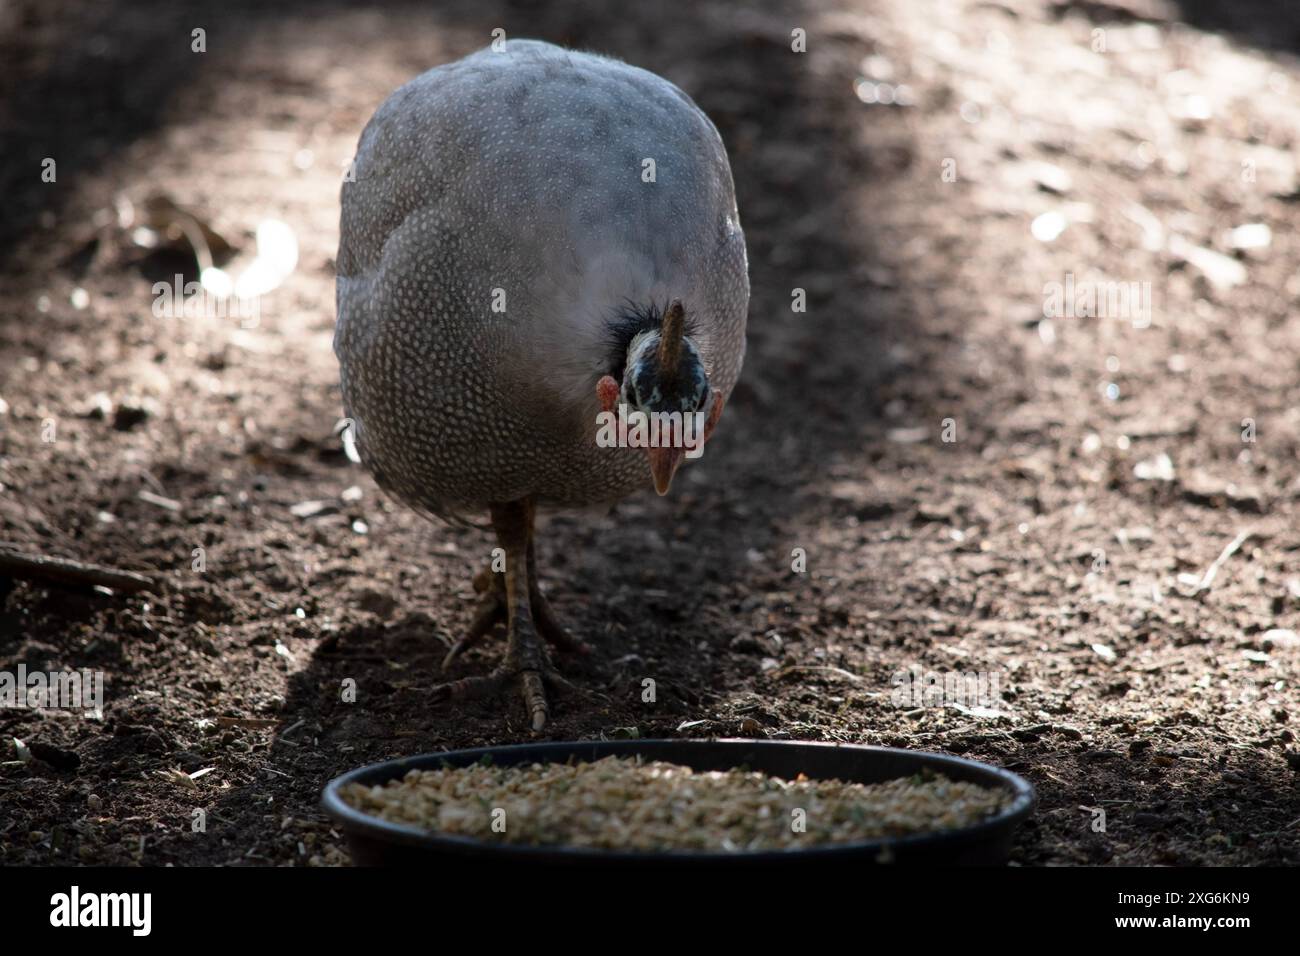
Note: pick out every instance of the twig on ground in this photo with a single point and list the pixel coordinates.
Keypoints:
(39, 567)
(822, 668)
(170, 504)
(1207, 580)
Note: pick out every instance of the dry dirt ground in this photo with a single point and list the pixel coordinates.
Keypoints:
(977, 475)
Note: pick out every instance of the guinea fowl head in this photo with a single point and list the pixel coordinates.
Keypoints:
(662, 374)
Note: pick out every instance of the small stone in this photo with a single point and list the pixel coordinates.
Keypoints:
(1048, 227)
(1105, 653)
(57, 757)
(99, 406)
(1281, 637)
(379, 603)
(188, 761)
(1159, 468)
(1202, 488)
(908, 436)
(1050, 178)
(747, 644)
(312, 509)
(1253, 235)
(128, 415)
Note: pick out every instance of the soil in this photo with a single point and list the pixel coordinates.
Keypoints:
(920, 472)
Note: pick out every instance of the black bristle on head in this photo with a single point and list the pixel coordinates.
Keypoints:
(627, 323)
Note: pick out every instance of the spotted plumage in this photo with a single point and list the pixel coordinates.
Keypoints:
(528, 237)
(514, 180)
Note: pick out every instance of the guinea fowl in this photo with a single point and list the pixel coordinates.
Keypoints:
(530, 238)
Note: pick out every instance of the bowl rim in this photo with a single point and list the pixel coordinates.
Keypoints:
(357, 822)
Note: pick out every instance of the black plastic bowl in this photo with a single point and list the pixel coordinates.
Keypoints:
(373, 841)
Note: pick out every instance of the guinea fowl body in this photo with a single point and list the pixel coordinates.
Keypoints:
(496, 231)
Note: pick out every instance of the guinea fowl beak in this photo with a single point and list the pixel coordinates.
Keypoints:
(663, 465)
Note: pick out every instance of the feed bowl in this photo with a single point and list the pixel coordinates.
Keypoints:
(373, 841)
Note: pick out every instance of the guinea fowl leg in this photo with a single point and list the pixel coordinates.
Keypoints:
(543, 616)
(492, 611)
(526, 665)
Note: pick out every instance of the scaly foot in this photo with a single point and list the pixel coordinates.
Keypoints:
(493, 610)
(516, 598)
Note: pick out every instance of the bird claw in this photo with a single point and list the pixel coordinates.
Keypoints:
(531, 683)
(527, 665)
(470, 688)
(551, 628)
(492, 611)
(515, 597)
(565, 686)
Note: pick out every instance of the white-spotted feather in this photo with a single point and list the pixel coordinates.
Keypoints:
(519, 174)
